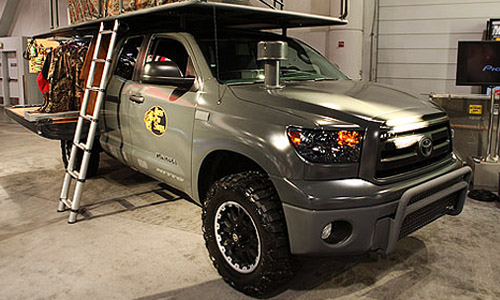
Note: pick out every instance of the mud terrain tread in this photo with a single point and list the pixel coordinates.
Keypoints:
(259, 190)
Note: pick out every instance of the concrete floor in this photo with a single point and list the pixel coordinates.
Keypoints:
(140, 241)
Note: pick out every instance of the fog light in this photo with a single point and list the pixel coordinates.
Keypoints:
(336, 232)
(327, 231)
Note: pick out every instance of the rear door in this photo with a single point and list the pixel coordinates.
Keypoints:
(116, 138)
(162, 117)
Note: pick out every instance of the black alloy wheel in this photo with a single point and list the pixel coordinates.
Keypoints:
(237, 237)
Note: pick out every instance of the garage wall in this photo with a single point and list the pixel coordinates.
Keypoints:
(418, 40)
(326, 39)
(32, 17)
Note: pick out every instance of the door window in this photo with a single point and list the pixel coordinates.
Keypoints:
(128, 57)
(164, 49)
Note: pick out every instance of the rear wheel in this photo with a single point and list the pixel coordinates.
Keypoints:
(94, 158)
(245, 233)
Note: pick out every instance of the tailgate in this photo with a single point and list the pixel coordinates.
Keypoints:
(58, 126)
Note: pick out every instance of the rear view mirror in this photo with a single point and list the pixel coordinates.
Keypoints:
(166, 73)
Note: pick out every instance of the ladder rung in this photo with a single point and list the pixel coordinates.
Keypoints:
(109, 31)
(73, 174)
(66, 202)
(95, 89)
(82, 146)
(88, 118)
(102, 60)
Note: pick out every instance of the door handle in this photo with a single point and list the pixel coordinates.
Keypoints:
(136, 98)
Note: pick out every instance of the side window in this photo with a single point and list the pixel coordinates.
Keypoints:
(128, 57)
(164, 49)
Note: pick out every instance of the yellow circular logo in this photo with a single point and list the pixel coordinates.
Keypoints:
(156, 120)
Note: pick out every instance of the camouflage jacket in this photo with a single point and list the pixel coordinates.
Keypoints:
(64, 78)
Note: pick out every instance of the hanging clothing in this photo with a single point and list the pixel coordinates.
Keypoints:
(46, 65)
(66, 86)
(41, 80)
(45, 75)
(43, 84)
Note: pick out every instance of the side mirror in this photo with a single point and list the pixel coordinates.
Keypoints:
(166, 73)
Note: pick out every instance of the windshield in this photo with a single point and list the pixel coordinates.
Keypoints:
(238, 59)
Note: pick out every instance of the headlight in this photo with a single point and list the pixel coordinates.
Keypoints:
(327, 146)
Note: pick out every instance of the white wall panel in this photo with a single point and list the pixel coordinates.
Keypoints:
(387, 3)
(418, 40)
(443, 11)
(426, 86)
(326, 39)
(417, 71)
(424, 56)
(424, 41)
(14, 89)
(32, 17)
(434, 27)
(316, 39)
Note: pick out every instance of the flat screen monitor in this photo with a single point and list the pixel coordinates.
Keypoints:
(478, 63)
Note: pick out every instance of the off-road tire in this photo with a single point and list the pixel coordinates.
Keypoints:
(94, 158)
(256, 194)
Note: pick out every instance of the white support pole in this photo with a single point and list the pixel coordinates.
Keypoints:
(490, 128)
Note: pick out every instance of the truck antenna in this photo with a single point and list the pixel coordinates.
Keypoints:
(216, 41)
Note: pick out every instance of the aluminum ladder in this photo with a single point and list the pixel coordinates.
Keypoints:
(274, 4)
(73, 203)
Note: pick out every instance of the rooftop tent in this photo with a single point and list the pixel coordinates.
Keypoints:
(196, 13)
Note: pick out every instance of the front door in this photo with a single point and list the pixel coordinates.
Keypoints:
(162, 116)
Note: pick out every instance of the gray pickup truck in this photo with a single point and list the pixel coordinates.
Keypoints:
(286, 155)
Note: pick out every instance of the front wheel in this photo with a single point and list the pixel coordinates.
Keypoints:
(245, 234)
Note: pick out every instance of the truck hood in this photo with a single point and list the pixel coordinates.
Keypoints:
(354, 99)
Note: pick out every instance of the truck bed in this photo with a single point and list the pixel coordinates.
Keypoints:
(56, 126)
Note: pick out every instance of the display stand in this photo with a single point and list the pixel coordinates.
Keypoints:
(489, 157)
(477, 66)
(486, 169)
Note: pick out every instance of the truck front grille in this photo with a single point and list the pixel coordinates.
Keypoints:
(428, 214)
(400, 152)
(435, 190)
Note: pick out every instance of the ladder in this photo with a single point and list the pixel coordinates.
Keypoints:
(274, 4)
(65, 201)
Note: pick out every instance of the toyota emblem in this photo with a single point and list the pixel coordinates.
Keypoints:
(425, 147)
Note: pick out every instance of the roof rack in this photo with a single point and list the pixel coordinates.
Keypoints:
(199, 12)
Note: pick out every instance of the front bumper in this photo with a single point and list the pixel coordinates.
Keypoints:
(378, 227)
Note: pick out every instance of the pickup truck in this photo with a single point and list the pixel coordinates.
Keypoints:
(286, 155)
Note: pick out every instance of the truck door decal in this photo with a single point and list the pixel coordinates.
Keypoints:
(156, 120)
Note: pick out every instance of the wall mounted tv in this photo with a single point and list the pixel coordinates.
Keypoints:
(478, 63)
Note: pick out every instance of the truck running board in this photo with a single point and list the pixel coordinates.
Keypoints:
(72, 202)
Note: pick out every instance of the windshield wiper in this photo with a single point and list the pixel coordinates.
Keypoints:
(326, 79)
(245, 82)
(310, 79)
